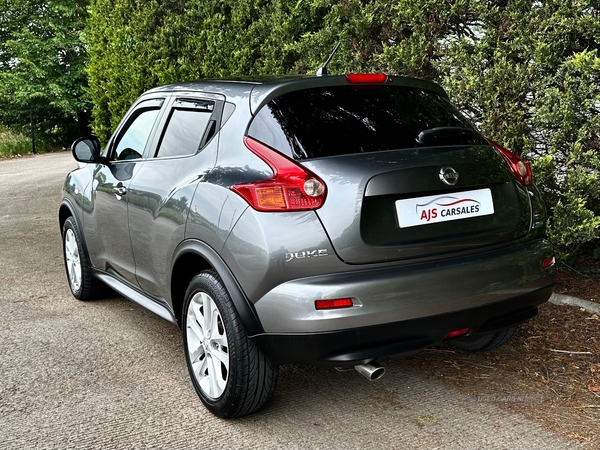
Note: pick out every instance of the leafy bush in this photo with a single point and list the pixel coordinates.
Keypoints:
(527, 72)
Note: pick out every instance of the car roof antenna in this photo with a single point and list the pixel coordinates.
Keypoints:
(323, 69)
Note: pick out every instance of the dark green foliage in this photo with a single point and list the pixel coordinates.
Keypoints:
(531, 81)
(134, 47)
(527, 72)
(42, 62)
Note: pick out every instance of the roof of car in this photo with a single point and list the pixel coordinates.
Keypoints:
(237, 84)
(261, 89)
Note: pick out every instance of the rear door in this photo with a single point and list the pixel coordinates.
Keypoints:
(407, 176)
(163, 188)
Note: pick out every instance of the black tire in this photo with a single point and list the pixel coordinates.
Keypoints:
(486, 342)
(89, 287)
(250, 376)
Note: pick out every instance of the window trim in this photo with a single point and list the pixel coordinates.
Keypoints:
(135, 111)
(215, 117)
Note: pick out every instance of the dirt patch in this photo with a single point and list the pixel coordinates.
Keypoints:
(578, 284)
(579, 275)
(550, 372)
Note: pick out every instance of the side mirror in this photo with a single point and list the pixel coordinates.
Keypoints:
(86, 149)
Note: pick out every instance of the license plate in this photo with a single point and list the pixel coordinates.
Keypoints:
(444, 207)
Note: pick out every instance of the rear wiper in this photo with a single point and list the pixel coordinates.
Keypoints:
(452, 134)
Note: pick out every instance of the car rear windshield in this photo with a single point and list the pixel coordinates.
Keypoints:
(342, 120)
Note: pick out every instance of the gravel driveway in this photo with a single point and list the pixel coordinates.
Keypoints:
(108, 374)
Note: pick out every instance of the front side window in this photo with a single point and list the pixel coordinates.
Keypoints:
(342, 120)
(188, 123)
(133, 141)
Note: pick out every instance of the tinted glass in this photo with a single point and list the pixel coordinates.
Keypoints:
(343, 120)
(184, 132)
(133, 141)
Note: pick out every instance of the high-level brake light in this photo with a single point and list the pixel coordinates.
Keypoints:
(291, 188)
(366, 78)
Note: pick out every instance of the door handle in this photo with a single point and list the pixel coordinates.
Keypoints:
(120, 190)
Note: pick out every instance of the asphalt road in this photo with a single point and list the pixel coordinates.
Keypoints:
(108, 374)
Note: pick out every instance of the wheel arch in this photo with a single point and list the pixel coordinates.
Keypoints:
(192, 257)
(65, 211)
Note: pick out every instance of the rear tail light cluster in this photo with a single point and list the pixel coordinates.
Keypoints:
(547, 263)
(520, 169)
(291, 188)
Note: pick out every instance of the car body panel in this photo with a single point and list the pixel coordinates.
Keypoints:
(264, 250)
(74, 189)
(361, 221)
(352, 346)
(161, 196)
(110, 251)
(394, 294)
(244, 307)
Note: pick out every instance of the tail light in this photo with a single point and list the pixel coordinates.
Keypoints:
(361, 78)
(520, 169)
(291, 188)
(547, 263)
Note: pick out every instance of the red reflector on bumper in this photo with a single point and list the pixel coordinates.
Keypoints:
(333, 304)
(456, 333)
(546, 264)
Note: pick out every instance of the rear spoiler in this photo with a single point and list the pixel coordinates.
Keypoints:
(264, 93)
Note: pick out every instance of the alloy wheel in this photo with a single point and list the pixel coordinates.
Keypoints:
(207, 345)
(73, 260)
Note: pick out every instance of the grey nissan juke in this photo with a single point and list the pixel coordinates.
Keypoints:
(325, 220)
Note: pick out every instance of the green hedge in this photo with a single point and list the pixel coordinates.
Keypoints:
(527, 72)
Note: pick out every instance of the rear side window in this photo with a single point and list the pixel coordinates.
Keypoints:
(187, 125)
(342, 120)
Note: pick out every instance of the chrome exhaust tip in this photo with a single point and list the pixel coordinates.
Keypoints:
(371, 371)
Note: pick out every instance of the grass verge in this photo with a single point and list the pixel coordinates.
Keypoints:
(13, 143)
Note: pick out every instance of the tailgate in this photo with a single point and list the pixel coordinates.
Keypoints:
(394, 205)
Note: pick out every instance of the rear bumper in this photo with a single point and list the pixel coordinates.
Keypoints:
(358, 345)
(395, 294)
